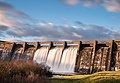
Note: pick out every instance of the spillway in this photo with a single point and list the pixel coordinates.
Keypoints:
(66, 57)
(68, 60)
(41, 55)
(17, 54)
(58, 62)
(54, 57)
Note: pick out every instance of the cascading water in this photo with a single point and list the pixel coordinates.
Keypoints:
(17, 54)
(41, 55)
(58, 62)
(68, 60)
(54, 57)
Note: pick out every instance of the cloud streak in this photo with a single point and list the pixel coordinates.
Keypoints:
(16, 25)
(109, 5)
(13, 22)
(52, 32)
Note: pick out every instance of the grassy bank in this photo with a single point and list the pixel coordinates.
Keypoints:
(29, 72)
(101, 77)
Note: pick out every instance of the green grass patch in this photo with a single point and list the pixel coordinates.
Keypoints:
(100, 77)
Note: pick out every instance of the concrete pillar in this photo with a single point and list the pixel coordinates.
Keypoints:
(37, 45)
(25, 46)
(64, 46)
(93, 57)
(12, 50)
(50, 46)
(110, 57)
(101, 59)
(77, 64)
(106, 63)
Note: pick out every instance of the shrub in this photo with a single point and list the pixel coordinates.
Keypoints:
(23, 72)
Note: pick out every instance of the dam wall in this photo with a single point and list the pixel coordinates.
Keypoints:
(78, 56)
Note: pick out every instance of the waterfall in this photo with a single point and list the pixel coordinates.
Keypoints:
(41, 55)
(58, 62)
(17, 54)
(54, 57)
(68, 60)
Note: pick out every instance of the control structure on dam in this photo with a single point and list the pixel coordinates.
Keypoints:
(83, 57)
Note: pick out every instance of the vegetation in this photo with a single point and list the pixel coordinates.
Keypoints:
(100, 77)
(29, 72)
(23, 72)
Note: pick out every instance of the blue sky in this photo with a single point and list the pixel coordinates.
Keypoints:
(57, 20)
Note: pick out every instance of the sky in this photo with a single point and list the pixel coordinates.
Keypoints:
(59, 20)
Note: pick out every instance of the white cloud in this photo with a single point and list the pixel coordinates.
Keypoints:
(112, 5)
(11, 39)
(72, 2)
(77, 35)
(109, 5)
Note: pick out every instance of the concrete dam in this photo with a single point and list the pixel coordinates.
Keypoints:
(82, 57)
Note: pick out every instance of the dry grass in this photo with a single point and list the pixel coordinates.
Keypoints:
(23, 72)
